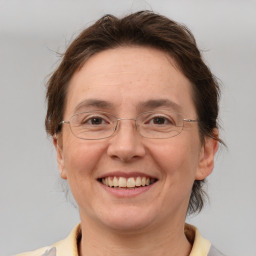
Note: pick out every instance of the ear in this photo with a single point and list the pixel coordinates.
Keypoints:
(206, 159)
(60, 160)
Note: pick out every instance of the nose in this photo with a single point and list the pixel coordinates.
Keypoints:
(126, 144)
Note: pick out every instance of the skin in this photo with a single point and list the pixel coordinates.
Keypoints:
(151, 223)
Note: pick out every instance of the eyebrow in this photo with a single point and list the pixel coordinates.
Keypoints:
(149, 104)
(156, 103)
(93, 103)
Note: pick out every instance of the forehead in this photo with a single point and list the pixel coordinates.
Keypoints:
(126, 77)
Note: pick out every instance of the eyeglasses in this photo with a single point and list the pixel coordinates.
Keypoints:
(96, 125)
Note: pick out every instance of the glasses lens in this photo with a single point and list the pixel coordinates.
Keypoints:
(92, 125)
(99, 125)
(159, 125)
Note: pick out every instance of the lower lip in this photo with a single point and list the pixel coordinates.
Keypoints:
(126, 192)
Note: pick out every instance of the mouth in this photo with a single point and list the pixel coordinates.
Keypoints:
(127, 183)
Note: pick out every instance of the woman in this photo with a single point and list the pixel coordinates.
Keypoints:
(132, 110)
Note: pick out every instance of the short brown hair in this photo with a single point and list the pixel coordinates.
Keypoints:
(143, 28)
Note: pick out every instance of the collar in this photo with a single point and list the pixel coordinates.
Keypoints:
(69, 246)
(200, 245)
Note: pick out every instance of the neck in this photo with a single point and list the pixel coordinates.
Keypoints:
(168, 240)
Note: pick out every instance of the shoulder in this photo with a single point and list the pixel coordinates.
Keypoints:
(200, 245)
(215, 252)
(67, 246)
(45, 251)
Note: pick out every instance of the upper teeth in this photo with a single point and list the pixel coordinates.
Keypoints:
(123, 182)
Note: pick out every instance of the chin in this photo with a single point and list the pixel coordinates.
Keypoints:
(128, 219)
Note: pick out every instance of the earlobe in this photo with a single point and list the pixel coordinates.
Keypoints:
(60, 159)
(206, 161)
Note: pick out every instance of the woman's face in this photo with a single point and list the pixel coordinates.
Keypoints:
(125, 82)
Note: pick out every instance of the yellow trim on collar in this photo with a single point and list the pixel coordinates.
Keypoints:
(201, 246)
(68, 246)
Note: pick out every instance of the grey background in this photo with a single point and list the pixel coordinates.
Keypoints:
(33, 208)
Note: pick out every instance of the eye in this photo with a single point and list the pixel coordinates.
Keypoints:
(93, 119)
(96, 121)
(160, 120)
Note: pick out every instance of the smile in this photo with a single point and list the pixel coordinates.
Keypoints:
(131, 182)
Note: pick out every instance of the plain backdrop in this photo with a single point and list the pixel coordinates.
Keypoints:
(33, 209)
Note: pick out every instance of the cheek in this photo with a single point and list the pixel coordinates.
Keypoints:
(80, 164)
(81, 158)
(178, 161)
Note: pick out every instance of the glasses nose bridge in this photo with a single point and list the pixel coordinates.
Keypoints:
(121, 119)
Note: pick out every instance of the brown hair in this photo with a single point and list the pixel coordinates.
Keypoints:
(143, 28)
